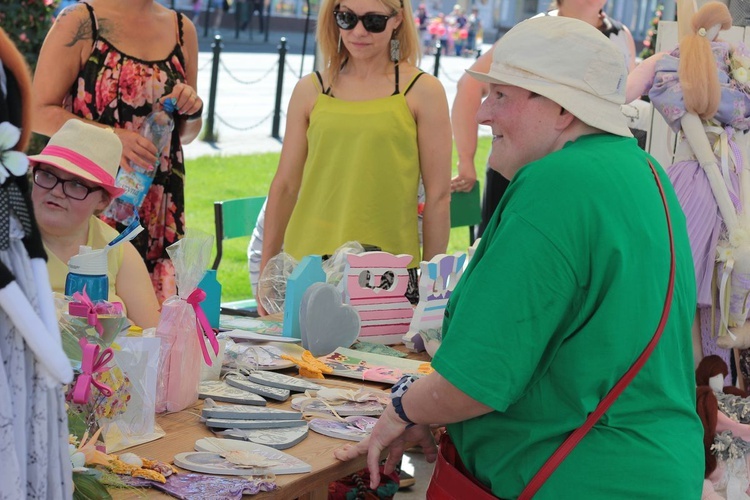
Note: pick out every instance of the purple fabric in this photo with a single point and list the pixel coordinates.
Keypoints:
(203, 486)
(703, 220)
(666, 92)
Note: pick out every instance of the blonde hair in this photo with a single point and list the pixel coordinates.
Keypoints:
(697, 68)
(328, 34)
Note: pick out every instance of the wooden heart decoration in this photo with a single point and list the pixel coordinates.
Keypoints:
(325, 321)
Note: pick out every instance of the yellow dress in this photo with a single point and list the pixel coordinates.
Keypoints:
(360, 179)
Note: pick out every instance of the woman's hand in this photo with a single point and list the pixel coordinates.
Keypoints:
(389, 433)
(463, 183)
(188, 102)
(137, 149)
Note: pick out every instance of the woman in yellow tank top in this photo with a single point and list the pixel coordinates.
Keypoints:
(359, 135)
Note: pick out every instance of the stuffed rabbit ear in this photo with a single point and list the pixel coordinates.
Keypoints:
(685, 11)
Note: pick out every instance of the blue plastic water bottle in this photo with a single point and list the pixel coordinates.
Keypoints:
(89, 269)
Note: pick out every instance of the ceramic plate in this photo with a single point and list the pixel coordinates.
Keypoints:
(355, 428)
(221, 391)
(288, 464)
(240, 412)
(227, 423)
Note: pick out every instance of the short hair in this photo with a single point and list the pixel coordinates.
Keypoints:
(328, 35)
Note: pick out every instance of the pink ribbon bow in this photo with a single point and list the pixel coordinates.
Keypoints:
(202, 325)
(83, 307)
(91, 362)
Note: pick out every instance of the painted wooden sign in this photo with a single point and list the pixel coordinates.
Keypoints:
(437, 280)
(375, 284)
(308, 271)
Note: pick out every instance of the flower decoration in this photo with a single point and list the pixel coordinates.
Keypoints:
(11, 162)
(739, 67)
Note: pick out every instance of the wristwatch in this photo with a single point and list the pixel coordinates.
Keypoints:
(397, 391)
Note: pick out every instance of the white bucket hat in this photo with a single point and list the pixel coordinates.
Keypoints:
(567, 61)
(86, 151)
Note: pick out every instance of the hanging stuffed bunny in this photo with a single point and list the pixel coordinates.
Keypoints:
(700, 95)
(35, 460)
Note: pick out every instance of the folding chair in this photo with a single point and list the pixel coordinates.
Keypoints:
(234, 219)
(466, 210)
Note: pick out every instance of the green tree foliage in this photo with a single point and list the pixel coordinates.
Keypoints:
(649, 44)
(27, 23)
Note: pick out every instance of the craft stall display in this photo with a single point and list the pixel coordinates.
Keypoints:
(253, 411)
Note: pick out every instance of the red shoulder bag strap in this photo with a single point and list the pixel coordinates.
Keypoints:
(556, 459)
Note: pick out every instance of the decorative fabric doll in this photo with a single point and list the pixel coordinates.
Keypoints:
(697, 90)
(35, 462)
(711, 371)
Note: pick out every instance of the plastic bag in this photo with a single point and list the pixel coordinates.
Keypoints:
(272, 283)
(182, 346)
(138, 358)
(335, 265)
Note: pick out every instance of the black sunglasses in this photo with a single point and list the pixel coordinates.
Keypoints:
(71, 187)
(374, 23)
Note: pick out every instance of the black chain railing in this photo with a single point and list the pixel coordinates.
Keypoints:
(282, 66)
(245, 82)
(244, 129)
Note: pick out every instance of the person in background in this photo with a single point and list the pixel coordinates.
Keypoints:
(74, 180)
(423, 19)
(474, 26)
(108, 62)
(359, 135)
(469, 94)
(541, 325)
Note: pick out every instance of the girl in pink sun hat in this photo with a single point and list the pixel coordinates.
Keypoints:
(74, 181)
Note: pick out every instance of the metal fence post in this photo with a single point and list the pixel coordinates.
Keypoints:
(216, 46)
(279, 87)
(438, 50)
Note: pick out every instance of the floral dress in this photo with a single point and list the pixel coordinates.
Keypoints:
(116, 89)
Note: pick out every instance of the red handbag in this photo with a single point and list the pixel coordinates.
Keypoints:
(450, 479)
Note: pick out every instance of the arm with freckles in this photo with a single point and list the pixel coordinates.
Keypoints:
(428, 398)
(469, 95)
(434, 140)
(282, 195)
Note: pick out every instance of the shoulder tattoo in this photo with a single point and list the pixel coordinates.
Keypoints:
(82, 32)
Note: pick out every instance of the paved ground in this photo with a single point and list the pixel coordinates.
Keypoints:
(247, 81)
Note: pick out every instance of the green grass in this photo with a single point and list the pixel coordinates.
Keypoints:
(213, 178)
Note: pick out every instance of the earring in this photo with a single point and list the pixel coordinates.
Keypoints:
(339, 48)
(395, 48)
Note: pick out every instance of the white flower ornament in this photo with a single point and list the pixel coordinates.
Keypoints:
(11, 162)
(741, 75)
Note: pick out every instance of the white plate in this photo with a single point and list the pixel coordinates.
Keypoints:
(288, 463)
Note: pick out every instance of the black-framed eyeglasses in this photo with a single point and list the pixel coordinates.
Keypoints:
(374, 23)
(71, 187)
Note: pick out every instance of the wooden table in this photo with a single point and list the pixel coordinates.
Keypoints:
(184, 428)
